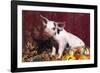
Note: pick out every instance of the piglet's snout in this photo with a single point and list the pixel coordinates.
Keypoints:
(46, 34)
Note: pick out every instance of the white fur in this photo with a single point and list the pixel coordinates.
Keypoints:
(65, 37)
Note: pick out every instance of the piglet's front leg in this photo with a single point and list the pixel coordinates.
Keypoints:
(60, 50)
(53, 51)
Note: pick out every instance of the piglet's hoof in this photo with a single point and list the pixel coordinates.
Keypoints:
(58, 58)
(53, 57)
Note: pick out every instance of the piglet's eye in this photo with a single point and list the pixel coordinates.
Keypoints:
(53, 28)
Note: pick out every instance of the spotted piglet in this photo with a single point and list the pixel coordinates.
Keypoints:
(64, 39)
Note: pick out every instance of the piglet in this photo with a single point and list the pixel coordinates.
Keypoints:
(64, 39)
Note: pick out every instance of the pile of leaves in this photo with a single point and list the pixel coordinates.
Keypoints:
(30, 54)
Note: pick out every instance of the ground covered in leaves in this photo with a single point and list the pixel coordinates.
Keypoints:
(30, 54)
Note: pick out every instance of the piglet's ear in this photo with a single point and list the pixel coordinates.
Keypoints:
(61, 25)
(44, 20)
